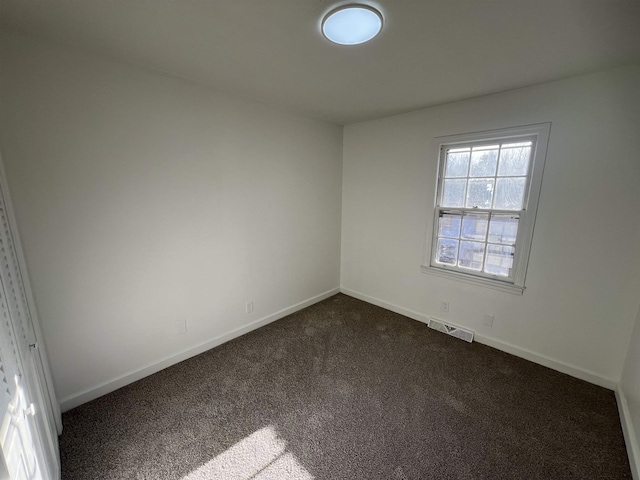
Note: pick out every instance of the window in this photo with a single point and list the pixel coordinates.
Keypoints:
(486, 199)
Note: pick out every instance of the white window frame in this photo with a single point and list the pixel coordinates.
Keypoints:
(539, 134)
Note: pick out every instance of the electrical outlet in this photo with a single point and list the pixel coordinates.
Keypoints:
(249, 307)
(444, 306)
(180, 327)
(488, 321)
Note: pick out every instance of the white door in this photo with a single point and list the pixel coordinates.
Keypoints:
(28, 410)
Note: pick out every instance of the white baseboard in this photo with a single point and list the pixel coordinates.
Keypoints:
(540, 359)
(630, 438)
(558, 365)
(96, 391)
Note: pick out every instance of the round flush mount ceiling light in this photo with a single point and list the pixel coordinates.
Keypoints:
(352, 24)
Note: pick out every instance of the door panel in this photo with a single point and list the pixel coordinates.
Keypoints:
(28, 433)
(20, 450)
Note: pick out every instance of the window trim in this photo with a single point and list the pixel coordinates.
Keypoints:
(516, 284)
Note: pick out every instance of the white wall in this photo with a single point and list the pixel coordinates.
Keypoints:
(142, 200)
(584, 270)
(630, 391)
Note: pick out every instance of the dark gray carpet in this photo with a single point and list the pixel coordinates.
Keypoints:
(347, 390)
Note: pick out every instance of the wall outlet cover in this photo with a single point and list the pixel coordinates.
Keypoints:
(180, 327)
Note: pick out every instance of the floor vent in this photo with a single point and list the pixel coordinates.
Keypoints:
(466, 335)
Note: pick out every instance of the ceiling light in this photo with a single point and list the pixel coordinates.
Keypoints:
(352, 24)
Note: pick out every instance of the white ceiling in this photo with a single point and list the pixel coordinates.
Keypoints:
(430, 51)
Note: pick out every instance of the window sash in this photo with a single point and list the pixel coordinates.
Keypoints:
(510, 279)
(499, 141)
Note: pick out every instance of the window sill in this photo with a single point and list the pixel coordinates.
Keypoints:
(483, 282)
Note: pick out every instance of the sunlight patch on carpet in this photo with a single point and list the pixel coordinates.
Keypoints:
(260, 456)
